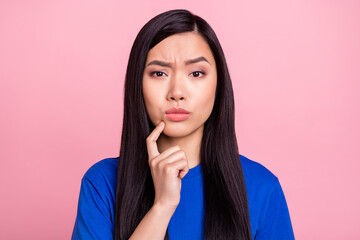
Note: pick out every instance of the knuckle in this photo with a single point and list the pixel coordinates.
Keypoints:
(152, 163)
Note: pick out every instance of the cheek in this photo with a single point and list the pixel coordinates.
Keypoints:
(152, 103)
(208, 102)
(149, 102)
(206, 97)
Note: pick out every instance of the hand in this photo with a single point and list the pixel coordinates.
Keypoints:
(167, 170)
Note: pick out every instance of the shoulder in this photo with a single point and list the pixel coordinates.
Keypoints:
(261, 184)
(268, 210)
(102, 176)
(95, 213)
(104, 169)
(256, 174)
(99, 183)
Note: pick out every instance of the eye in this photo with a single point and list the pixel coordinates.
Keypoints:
(197, 74)
(157, 74)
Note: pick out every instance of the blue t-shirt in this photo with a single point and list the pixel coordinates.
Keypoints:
(269, 215)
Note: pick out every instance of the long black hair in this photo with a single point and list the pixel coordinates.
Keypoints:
(225, 198)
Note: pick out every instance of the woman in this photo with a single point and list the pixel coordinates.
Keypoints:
(179, 174)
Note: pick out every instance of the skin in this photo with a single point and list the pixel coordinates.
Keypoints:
(182, 86)
(174, 147)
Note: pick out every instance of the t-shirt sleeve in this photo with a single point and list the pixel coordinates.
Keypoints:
(93, 214)
(275, 223)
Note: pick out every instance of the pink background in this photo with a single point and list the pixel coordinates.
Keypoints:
(295, 70)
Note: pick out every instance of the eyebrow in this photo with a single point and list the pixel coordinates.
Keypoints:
(188, 62)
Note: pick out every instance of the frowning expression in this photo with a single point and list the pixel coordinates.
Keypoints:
(179, 83)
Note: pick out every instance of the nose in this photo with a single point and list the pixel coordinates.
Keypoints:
(177, 91)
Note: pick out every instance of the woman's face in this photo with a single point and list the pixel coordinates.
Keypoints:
(180, 72)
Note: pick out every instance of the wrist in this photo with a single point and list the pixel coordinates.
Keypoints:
(164, 210)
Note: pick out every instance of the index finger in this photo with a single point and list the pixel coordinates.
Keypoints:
(151, 140)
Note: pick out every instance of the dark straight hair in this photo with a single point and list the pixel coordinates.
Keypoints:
(225, 198)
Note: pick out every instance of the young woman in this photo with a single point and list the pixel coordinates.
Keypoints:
(179, 174)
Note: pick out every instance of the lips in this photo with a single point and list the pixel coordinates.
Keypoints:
(177, 114)
(176, 111)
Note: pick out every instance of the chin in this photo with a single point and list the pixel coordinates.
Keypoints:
(176, 132)
(181, 130)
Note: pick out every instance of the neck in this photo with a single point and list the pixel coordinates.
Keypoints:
(190, 144)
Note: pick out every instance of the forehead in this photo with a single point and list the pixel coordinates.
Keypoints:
(181, 47)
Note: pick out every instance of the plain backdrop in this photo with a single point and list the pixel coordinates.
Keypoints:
(296, 78)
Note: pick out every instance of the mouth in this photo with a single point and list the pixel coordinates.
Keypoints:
(177, 114)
